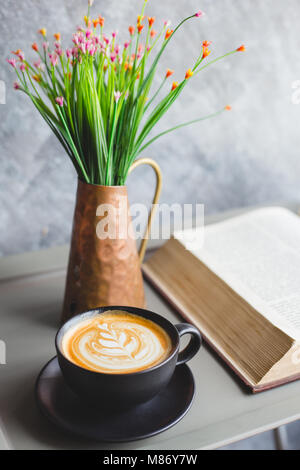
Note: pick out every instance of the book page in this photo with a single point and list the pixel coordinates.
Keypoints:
(258, 255)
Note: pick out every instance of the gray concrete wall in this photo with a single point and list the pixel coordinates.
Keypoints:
(247, 156)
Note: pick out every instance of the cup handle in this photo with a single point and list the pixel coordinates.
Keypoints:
(194, 345)
(156, 168)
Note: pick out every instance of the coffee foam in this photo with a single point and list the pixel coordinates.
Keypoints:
(116, 342)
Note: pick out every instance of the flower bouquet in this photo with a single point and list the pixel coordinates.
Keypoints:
(97, 97)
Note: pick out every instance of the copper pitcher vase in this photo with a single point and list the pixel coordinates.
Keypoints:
(105, 271)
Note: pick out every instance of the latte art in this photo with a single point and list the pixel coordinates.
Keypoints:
(116, 342)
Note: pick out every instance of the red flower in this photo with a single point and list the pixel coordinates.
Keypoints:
(242, 48)
(140, 28)
(206, 43)
(151, 21)
(35, 47)
(206, 52)
(101, 21)
(174, 85)
(189, 74)
(169, 33)
(169, 73)
(131, 30)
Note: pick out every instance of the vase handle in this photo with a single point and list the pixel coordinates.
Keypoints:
(156, 168)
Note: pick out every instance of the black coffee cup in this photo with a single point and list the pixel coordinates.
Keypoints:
(121, 391)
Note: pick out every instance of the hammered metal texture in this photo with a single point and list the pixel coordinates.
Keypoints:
(101, 272)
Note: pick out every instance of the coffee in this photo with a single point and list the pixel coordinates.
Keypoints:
(116, 342)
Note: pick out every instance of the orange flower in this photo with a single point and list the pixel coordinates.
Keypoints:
(138, 76)
(228, 108)
(105, 67)
(169, 73)
(189, 74)
(35, 47)
(151, 21)
(174, 85)
(17, 52)
(140, 28)
(140, 18)
(43, 31)
(131, 30)
(37, 78)
(57, 36)
(95, 23)
(206, 43)
(169, 33)
(126, 65)
(242, 48)
(101, 21)
(206, 52)
(153, 33)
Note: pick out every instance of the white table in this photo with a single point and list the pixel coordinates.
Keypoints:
(31, 291)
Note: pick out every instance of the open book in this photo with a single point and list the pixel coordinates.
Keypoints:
(241, 288)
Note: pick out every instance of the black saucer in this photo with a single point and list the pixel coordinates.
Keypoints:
(61, 406)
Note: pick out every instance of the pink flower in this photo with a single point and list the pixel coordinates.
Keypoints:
(92, 50)
(12, 62)
(76, 39)
(88, 34)
(60, 101)
(199, 14)
(118, 95)
(126, 45)
(106, 40)
(113, 57)
(59, 52)
(117, 49)
(167, 23)
(21, 56)
(46, 46)
(53, 59)
(37, 64)
(68, 53)
(17, 86)
(22, 67)
(114, 34)
(82, 47)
